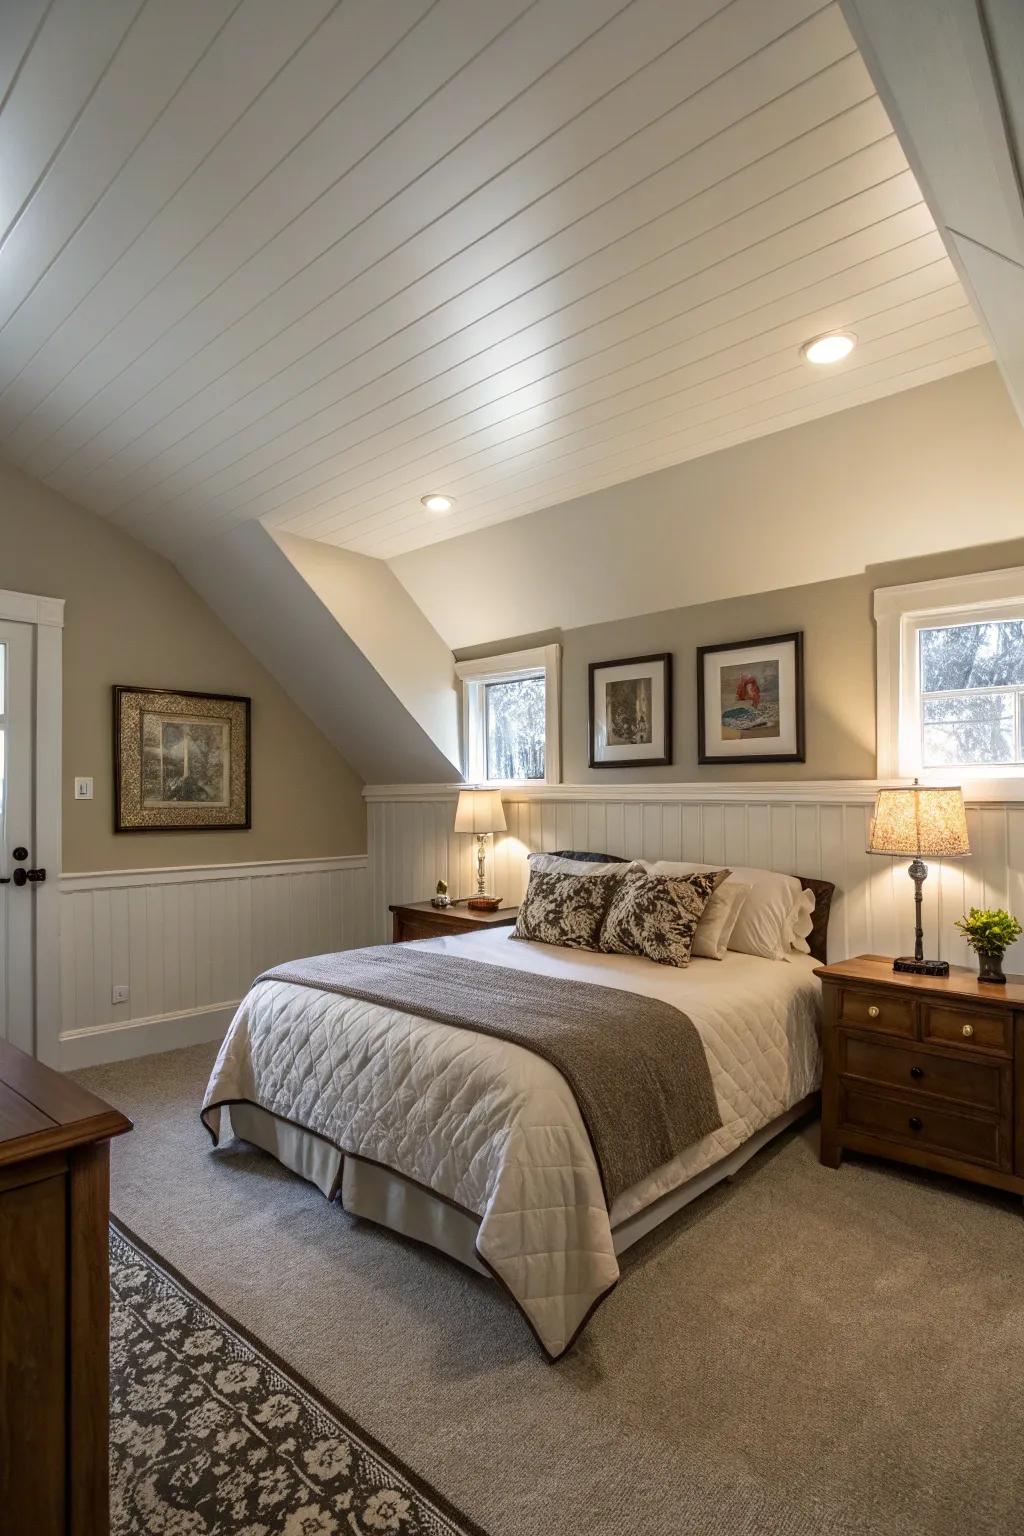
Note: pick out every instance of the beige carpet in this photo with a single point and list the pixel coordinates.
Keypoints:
(801, 1350)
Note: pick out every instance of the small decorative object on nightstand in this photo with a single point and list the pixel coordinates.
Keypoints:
(908, 823)
(480, 811)
(440, 897)
(925, 1070)
(422, 920)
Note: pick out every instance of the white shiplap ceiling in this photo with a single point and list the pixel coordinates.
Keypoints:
(306, 262)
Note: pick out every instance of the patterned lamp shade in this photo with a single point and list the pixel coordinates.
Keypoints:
(480, 810)
(920, 822)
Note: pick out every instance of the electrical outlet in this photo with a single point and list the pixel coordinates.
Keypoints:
(119, 994)
(83, 789)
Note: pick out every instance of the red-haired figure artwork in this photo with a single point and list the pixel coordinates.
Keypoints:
(748, 691)
(750, 700)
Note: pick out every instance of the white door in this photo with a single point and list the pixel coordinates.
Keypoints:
(17, 832)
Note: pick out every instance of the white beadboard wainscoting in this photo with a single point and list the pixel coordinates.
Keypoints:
(188, 942)
(815, 829)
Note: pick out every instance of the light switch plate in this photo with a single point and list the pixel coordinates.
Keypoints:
(83, 789)
(119, 994)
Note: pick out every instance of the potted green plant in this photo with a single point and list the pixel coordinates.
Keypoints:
(990, 935)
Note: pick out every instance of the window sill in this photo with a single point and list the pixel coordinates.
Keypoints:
(1006, 786)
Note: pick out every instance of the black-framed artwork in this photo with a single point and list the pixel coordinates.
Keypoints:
(181, 761)
(631, 712)
(750, 701)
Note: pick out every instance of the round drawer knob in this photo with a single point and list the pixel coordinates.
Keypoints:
(967, 1031)
(915, 1122)
(874, 1011)
(917, 1071)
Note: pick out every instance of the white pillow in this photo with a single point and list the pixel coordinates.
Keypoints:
(711, 940)
(801, 921)
(762, 927)
(551, 864)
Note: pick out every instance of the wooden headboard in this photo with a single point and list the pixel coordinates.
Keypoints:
(817, 939)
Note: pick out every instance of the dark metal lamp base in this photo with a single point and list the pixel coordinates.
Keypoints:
(907, 963)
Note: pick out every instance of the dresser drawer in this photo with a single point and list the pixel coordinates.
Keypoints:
(939, 1130)
(881, 1011)
(973, 1031)
(977, 1083)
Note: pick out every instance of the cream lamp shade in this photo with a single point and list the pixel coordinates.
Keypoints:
(480, 811)
(920, 821)
(909, 823)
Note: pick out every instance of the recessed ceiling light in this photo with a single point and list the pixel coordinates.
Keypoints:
(437, 503)
(829, 349)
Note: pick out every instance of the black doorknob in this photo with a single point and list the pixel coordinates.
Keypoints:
(915, 1123)
(20, 876)
(917, 1071)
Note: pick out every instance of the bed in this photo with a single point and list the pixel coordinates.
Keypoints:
(477, 1146)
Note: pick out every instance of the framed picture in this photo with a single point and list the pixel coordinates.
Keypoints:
(631, 712)
(181, 761)
(750, 701)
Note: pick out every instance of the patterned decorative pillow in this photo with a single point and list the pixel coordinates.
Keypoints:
(657, 915)
(565, 909)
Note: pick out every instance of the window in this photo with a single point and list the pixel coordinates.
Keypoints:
(972, 679)
(951, 678)
(510, 717)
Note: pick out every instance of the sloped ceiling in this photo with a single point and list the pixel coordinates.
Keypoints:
(303, 639)
(305, 262)
(961, 120)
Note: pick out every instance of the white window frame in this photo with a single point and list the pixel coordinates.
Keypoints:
(542, 660)
(900, 615)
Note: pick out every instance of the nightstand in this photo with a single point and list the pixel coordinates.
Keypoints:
(420, 920)
(925, 1070)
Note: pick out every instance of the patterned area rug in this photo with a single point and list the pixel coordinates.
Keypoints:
(212, 1435)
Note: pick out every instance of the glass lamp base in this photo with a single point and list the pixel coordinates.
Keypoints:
(910, 966)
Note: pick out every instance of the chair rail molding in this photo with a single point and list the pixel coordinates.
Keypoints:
(187, 942)
(795, 791)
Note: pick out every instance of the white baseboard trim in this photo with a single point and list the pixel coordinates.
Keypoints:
(117, 1040)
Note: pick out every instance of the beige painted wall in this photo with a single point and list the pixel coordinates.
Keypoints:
(131, 618)
(839, 654)
(935, 468)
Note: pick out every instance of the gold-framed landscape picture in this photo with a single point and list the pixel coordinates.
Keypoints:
(750, 701)
(181, 761)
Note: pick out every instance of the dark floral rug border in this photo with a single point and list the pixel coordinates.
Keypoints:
(212, 1435)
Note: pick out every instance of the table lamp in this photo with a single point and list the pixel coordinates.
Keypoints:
(912, 822)
(480, 811)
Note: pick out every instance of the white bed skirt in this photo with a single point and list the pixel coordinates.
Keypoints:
(380, 1195)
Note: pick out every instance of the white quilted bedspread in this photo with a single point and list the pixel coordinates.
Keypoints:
(495, 1129)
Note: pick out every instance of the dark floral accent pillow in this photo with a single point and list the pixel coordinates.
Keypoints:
(657, 915)
(565, 909)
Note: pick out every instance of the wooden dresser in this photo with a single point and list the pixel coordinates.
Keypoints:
(926, 1070)
(54, 1301)
(420, 920)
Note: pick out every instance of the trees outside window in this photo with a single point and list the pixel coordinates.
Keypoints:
(972, 682)
(515, 728)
